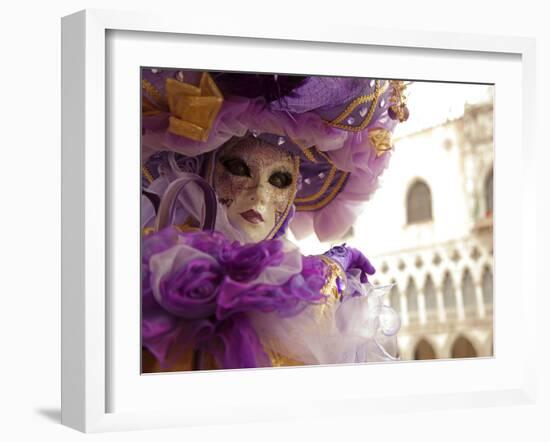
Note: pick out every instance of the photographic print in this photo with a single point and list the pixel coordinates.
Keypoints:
(301, 220)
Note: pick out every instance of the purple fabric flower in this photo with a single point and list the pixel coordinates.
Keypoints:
(158, 242)
(245, 263)
(214, 244)
(191, 291)
(197, 288)
(287, 300)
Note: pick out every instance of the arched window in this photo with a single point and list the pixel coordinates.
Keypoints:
(487, 286)
(430, 299)
(468, 293)
(463, 348)
(419, 203)
(449, 296)
(412, 301)
(424, 351)
(488, 192)
(395, 299)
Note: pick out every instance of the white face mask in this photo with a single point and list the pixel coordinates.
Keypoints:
(257, 183)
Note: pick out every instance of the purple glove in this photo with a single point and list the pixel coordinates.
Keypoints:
(350, 258)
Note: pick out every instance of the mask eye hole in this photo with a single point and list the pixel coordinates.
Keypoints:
(236, 166)
(280, 179)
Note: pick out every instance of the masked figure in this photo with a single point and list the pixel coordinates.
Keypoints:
(230, 162)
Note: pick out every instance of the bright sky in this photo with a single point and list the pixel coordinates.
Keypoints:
(431, 103)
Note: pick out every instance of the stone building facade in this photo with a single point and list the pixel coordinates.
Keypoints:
(429, 231)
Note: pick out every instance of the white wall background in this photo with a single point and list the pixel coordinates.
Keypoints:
(30, 221)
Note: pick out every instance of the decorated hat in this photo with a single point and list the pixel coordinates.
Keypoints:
(340, 128)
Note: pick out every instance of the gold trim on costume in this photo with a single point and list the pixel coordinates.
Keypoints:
(321, 191)
(305, 150)
(381, 140)
(147, 174)
(329, 197)
(378, 91)
(325, 156)
(330, 288)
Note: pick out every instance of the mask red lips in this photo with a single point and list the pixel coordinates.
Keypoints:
(252, 216)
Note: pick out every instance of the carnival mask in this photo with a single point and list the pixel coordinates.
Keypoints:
(257, 183)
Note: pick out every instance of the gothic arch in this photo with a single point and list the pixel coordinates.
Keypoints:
(462, 347)
(423, 350)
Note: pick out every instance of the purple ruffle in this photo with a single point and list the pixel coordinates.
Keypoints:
(204, 302)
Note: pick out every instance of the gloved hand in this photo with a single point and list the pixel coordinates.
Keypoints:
(350, 258)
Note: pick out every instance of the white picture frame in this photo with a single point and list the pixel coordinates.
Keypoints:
(89, 230)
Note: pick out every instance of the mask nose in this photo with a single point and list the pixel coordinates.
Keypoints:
(256, 194)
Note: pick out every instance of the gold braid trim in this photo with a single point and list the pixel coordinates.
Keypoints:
(306, 150)
(328, 198)
(358, 101)
(323, 189)
(147, 174)
(325, 156)
(308, 154)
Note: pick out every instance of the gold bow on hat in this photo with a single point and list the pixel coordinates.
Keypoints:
(193, 108)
